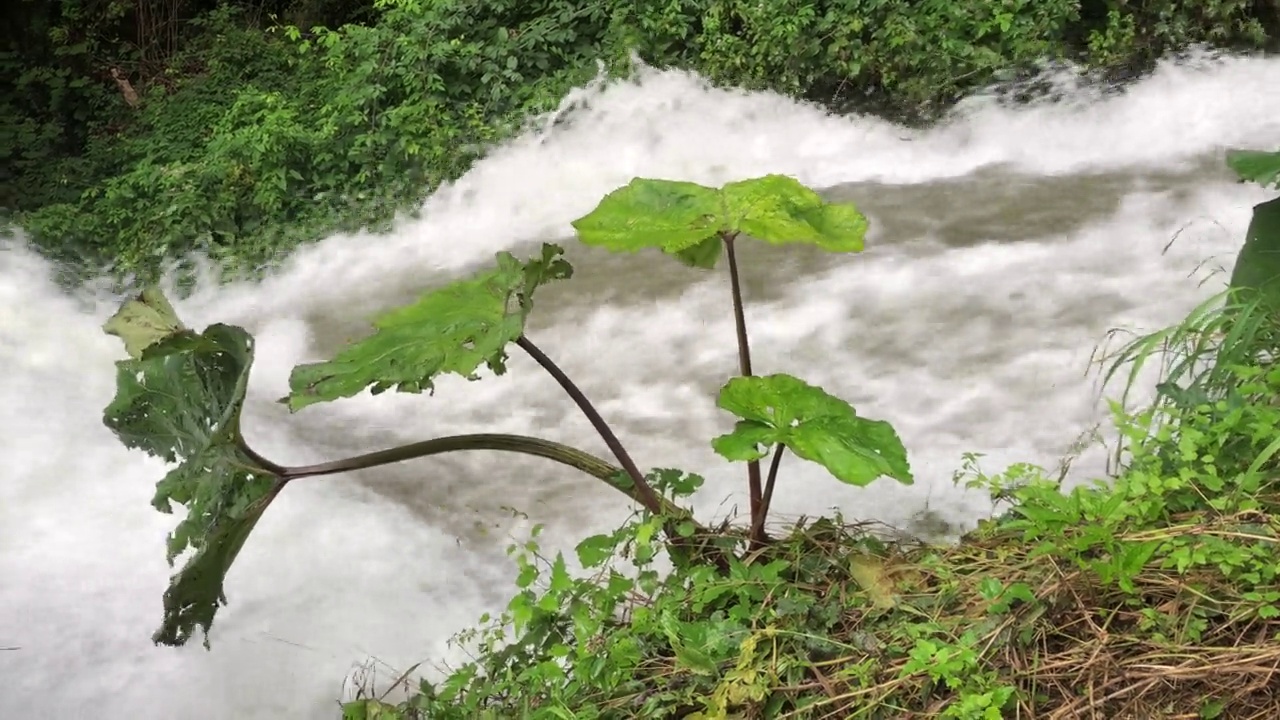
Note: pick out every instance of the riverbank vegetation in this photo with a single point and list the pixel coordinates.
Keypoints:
(140, 130)
(1150, 594)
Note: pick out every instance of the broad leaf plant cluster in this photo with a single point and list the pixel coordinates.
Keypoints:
(180, 392)
(1152, 590)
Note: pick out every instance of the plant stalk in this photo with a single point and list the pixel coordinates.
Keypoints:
(744, 367)
(757, 523)
(525, 445)
(644, 494)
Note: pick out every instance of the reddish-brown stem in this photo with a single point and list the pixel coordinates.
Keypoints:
(757, 527)
(754, 491)
(644, 493)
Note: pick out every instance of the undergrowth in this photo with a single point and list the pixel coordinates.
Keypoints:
(1152, 596)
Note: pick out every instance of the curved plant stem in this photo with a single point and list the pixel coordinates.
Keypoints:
(525, 445)
(739, 312)
(757, 522)
(644, 494)
(261, 461)
(744, 367)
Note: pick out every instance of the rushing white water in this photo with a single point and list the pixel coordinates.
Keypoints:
(1004, 244)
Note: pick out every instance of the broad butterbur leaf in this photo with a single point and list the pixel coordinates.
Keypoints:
(687, 220)
(179, 398)
(455, 329)
(1258, 263)
(1256, 166)
(816, 426)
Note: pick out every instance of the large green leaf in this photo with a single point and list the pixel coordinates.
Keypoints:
(688, 220)
(1258, 264)
(1256, 166)
(454, 329)
(779, 209)
(816, 426)
(179, 398)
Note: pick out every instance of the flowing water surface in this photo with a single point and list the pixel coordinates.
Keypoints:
(1004, 244)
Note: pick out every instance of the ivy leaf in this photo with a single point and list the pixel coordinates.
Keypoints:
(454, 329)
(179, 398)
(1256, 166)
(816, 426)
(595, 550)
(688, 220)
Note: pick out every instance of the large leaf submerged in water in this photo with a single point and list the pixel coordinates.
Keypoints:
(179, 398)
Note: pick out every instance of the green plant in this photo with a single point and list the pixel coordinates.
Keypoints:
(180, 393)
(1070, 603)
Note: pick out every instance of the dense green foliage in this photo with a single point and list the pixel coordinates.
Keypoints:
(257, 126)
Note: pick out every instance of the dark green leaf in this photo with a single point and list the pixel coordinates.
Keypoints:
(455, 329)
(685, 643)
(815, 426)
(689, 220)
(179, 398)
(1258, 264)
(674, 482)
(1255, 166)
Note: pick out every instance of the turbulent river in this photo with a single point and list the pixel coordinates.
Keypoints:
(1005, 243)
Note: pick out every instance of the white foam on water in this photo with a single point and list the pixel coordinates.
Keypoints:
(975, 348)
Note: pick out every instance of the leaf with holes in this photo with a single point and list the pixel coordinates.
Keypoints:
(455, 329)
(179, 398)
(816, 426)
(689, 220)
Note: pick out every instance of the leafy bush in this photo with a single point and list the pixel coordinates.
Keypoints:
(911, 58)
(247, 141)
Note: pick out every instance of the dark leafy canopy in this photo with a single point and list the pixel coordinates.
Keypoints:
(687, 220)
(179, 398)
(816, 426)
(454, 329)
